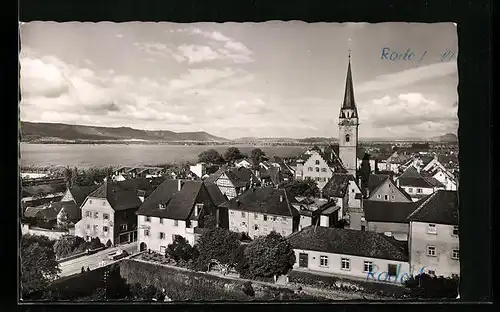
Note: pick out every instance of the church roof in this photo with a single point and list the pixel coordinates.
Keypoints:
(349, 102)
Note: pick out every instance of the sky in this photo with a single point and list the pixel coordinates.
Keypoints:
(272, 79)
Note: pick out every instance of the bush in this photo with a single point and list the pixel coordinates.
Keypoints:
(426, 286)
(109, 243)
(219, 244)
(248, 289)
(95, 243)
(69, 245)
(180, 249)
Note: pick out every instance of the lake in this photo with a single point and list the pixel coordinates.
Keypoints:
(100, 155)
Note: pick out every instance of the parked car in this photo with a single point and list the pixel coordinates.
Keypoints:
(118, 254)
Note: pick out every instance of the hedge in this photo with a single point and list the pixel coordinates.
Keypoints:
(333, 282)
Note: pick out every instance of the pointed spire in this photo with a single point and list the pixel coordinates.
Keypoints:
(349, 102)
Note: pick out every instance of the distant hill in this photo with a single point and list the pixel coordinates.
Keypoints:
(39, 132)
(449, 137)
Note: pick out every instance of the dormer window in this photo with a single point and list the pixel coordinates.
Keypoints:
(347, 138)
(161, 206)
(197, 209)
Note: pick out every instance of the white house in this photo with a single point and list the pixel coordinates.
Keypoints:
(199, 169)
(247, 163)
(175, 207)
(417, 183)
(434, 236)
(350, 253)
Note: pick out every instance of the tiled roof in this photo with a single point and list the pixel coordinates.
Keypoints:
(440, 207)
(217, 197)
(122, 195)
(377, 180)
(45, 188)
(264, 200)
(349, 242)
(411, 177)
(79, 193)
(238, 176)
(178, 204)
(71, 209)
(337, 185)
(384, 211)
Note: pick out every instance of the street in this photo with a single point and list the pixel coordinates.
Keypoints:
(74, 266)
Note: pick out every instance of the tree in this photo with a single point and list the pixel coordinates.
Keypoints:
(426, 286)
(180, 249)
(68, 245)
(364, 171)
(209, 222)
(257, 156)
(95, 243)
(109, 243)
(306, 188)
(210, 156)
(38, 264)
(233, 154)
(218, 244)
(270, 255)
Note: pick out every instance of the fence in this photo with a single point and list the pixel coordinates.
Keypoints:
(51, 234)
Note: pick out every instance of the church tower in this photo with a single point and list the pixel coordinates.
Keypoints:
(348, 126)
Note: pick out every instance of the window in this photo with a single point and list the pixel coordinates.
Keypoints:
(147, 219)
(242, 214)
(410, 190)
(88, 226)
(96, 215)
(317, 169)
(162, 235)
(255, 216)
(368, 266)
(386, 197)
(431, 251)
(265, 218)
(431, 228)
(274, 219)
(323, 169)
(88, 214)
(345, 264)
(90, 201)
(105, 228)
(392, 197)
(392, 270)
(303, 260)
(123, 227)
(378, 196)
(455, 254)
(309, 168)
(105, 216)
(347, 138)
(176, 222)
(96, 227)
(163, 249)
(161, 220)
(232, 212)
(317, 162)
(283, 232)
(284, 219)
(161, 206)
(419, 190)
(188, 224)
(198, 209)
(256, 227)
(104, 203)
(323, 261)
(455, 231)
(146, 232)
(363, 228)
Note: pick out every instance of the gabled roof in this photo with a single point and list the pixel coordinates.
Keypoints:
(385, 211)
(178, 204)
(122, 195)
(337, 185)
(375, 181)
(349, 102)
(349, 242)
(440, 207)
(217, 197)
(411, 177)
(329, 154)
(73, 212)
(264, 200)
(45, 188)
(238, 176)
(79, 193)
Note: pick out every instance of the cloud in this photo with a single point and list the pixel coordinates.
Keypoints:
(198, 53)
(408, 77)
(119, 36)
(409, 112)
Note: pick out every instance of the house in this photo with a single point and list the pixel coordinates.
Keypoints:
(176, 207)
(436, 170)
(382, 188)
(232, 181)
(246, 162)
(434, 237)
(350, 253)
(343, 188)
(318, 211)
(318, 165)
(36, 195)
(389, 217)
(109, 212)
(218, 199)
(418, 184)
(259, 211)
(393, 162)
(199, 169)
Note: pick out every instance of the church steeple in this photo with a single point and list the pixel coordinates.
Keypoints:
(348, 109)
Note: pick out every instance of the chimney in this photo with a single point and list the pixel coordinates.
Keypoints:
(106, 187)
(179, 185)
(397, 182)
(281, 198)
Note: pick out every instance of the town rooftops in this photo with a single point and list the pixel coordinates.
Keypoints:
(217, 197)
(349, 242)
(123, 195)
(411, 177)
(79, 193)
(337, 185)
(238, 176)
(176, 205)
(440, 207)
(392, 212)
(377, 180)
(264, 200)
